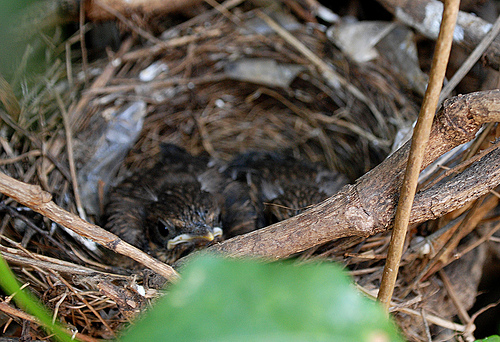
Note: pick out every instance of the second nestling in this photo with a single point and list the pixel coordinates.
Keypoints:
(185, 202)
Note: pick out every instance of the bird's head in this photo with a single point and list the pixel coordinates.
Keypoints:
(182, 219)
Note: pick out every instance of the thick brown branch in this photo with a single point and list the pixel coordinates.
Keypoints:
(40, 201)
(368, 206)
(476, 181)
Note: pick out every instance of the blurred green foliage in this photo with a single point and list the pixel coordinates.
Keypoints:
(26, 35)
(25, 300)
(219, 299)
(494, 338)
(12, 44)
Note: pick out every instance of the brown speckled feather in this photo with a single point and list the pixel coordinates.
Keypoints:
(286, 185)
(183, 196)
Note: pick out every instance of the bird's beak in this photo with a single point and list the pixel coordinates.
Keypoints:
(183, 238)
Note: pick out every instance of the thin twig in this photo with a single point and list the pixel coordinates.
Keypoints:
(13, 213)
(483, 238)
(416, 156)
(471, 327)
(40, 201)
(462, 165)
(158, 84)
(69, 66)
(426, 325)
(18, 257)
(435, 320)
(224, 11)
(82, 298)
(470, 61)
(9, 100)
(130, 24)
(83, 45)
(430, 318)
(169, 44)
(76, 113)
(462, 313)
(29, 154)
(10, 310)
(456, 233)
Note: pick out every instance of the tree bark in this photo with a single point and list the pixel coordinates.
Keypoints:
(368, 206)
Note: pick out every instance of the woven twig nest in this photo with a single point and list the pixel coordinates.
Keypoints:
(194, 100)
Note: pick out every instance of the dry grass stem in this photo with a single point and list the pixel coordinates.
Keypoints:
(419, 142)
(470, 61)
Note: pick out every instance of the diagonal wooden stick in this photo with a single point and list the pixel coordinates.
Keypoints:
(416, 155)
(40, 201)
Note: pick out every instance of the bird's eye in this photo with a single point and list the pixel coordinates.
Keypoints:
(163, 228)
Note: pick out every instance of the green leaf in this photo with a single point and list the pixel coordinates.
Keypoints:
(494, 338)
(221, 299)
(27, 301)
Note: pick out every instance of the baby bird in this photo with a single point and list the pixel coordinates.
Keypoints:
(187, 202)
(167, 211)
(285, 185)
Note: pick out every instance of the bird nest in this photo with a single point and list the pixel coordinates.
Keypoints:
(187, 85)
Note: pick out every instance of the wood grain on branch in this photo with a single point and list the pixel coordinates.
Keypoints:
(368, 206)
(425, 16)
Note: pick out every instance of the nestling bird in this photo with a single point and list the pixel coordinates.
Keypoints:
(187, 202)
(242, 210)
(284, 184)
(181, 204)
(166, 210)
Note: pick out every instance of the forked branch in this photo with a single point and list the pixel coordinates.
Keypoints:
(368, 206)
